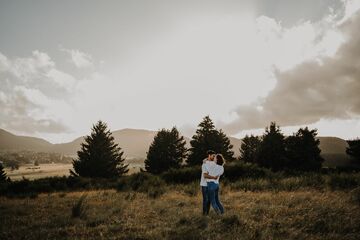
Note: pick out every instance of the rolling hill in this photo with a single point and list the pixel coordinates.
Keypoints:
(134, 142)
(333, 151)
(9, 141)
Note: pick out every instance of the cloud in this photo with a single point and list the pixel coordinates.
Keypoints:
(325, 86)
(78, 58)
(26, 68)
(32, 93)
(21, 111)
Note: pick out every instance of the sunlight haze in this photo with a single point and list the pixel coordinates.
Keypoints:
(157, 64)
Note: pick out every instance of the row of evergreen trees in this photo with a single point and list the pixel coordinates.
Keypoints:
(101, 157)
(273, 150)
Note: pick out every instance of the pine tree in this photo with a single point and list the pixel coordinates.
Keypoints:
(207, 137)
(100, 156)
(3, 176)
(249, 148)
(302, 150)
(354, 148)
(272, 149)
(225, 146)
(166, 151)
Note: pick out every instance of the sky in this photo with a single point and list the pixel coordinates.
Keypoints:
(142, 64)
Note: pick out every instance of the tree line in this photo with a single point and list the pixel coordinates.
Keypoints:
(101, 157)
(275, 151)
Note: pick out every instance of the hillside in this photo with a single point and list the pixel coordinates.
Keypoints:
(134, 143)
(9, 141)
(333, 151)
(332, 145)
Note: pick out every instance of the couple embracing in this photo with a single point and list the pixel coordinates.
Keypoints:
(211, 170)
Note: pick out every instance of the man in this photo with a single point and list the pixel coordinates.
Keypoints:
(203, 183)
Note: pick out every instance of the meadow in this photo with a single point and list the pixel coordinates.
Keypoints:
(296, 207)
(31, 172)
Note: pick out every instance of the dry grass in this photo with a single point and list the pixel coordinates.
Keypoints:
(299, 214)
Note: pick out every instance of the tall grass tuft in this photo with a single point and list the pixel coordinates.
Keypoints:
(355, 195)
(80, 208)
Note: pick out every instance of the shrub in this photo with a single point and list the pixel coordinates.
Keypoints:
(343, 181)
(239, 170)
(18, 187)
(142, 182)
(182, 175)
(78, 182)
(233, 172)
(122, 184)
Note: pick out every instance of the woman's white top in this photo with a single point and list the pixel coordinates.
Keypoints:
(213, 169)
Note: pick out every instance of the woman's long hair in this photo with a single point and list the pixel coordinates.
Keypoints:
(220, 159)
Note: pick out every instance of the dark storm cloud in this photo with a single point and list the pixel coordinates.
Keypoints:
(313, 90)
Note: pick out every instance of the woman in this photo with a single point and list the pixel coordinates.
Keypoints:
(214, 171)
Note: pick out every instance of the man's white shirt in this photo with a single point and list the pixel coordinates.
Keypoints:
(203, 182)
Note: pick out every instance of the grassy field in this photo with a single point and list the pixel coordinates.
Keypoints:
(31, 172)
(107, 214)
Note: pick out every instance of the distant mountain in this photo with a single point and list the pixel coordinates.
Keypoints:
(236, 142)
(135, 144)
(9, 141)
(333, 150)
(331, 145)
(69, 148)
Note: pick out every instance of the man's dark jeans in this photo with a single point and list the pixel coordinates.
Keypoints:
(206, 200)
